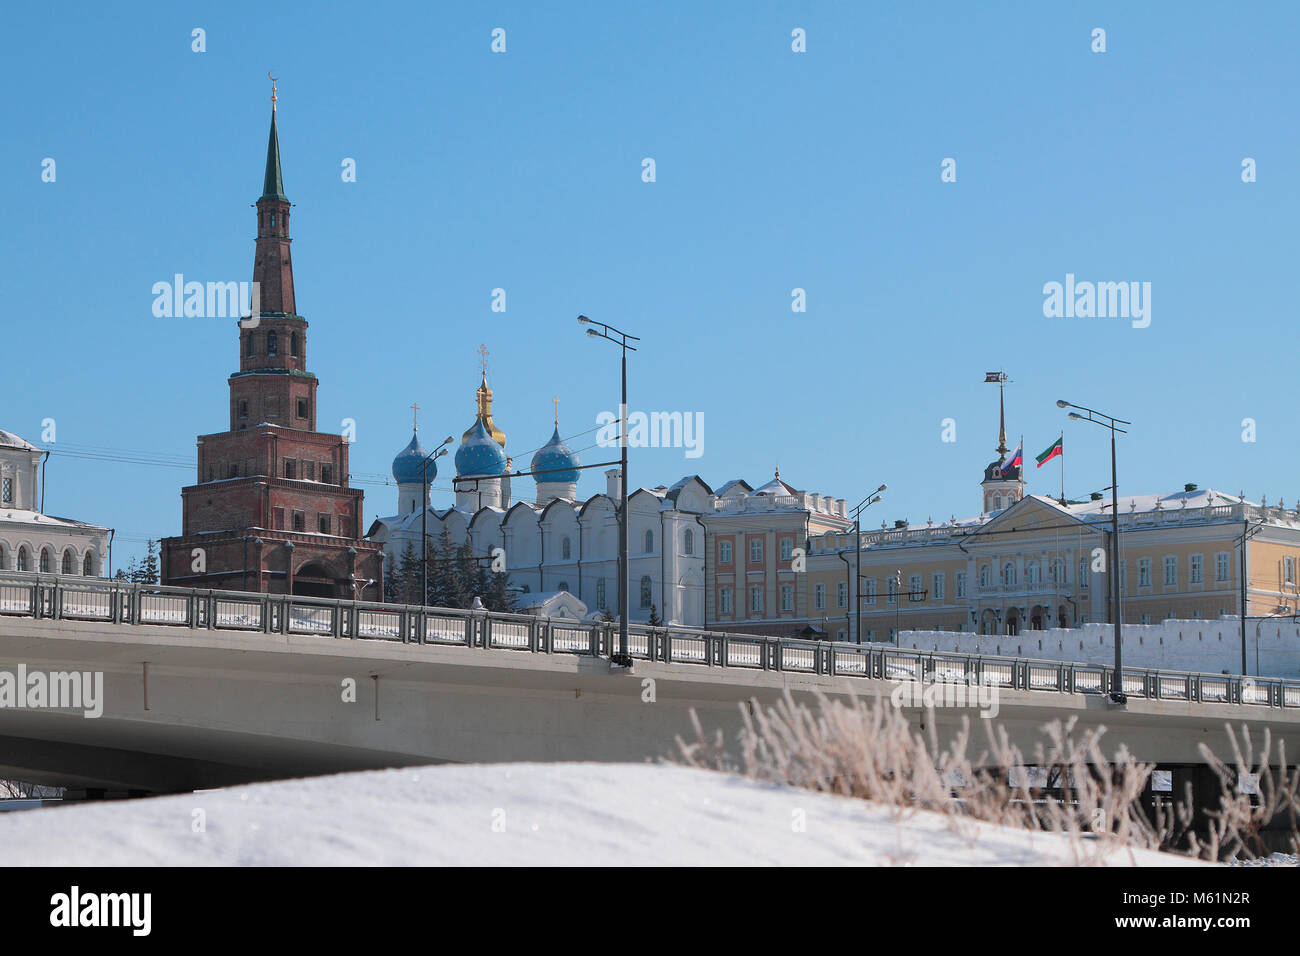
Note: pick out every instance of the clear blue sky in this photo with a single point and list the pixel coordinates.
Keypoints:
(775, 170)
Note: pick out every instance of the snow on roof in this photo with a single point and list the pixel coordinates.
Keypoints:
(35, 518)
(10, 440)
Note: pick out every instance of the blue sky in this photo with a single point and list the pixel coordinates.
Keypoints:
(775, 170)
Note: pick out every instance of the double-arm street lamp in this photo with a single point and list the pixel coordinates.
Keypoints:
(599, 330)
(1107, 421)
(860, 507)
(429, 459)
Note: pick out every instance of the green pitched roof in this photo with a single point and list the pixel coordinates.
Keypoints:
(273, 184)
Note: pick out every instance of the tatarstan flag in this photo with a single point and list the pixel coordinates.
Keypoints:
(1055, 451)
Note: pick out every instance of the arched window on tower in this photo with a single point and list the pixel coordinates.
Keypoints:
(272, 345)
(688, 542)
(293, 344)
(600, 593)
(249, 347)
(645, 591)
(649, 542)
(566, 551)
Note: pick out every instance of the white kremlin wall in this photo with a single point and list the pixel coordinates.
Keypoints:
(1207, 647)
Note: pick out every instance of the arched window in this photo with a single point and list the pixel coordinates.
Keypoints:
(251, 339)
(645, 591)
(984, 575)
(272, 344)
(565, 551)
(1031, 573)
(88, 566)
(24, 559)
(600, 593)
(688, 542)
(293, 344)
(46, 562)
(1058, 571)
(649, 541)
(68, 560)
(997, 502)
(4, 557)
(1008, 574)
(564, 585)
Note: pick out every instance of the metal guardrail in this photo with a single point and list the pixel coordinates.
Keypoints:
(70, 598)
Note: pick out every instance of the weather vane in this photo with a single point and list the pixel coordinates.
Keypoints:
(274, 80)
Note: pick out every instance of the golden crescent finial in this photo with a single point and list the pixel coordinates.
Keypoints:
(274, 80)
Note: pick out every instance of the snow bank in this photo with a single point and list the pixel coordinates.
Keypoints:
(520, 814)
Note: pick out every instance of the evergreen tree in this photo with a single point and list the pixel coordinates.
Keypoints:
(607, 615)
(655, 620)
(498, 596)
(146, 572)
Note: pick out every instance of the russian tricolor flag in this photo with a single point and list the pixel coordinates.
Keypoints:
(1015, 460)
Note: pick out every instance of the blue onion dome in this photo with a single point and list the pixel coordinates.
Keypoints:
(409, 464)
(555, 461)
(479, 454)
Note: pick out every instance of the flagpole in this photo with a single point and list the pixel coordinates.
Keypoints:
(1062, 457)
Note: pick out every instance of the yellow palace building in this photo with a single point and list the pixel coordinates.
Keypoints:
(1031, 562)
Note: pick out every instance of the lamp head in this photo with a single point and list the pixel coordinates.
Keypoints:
(583, 320)
(1062, 403)
(594, 334)
(881, 488)
(1076, 416)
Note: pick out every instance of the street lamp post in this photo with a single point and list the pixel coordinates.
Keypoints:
(1107, 421)
(429, 459)
(620, 339)
(861, 506)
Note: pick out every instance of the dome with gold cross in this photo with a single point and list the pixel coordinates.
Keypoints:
(483, 401)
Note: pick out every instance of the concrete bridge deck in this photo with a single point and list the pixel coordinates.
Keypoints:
(206, 689)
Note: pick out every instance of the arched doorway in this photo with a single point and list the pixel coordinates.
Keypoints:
(1038, 618)
(313, 580)
(1013, 621)
(989, 622)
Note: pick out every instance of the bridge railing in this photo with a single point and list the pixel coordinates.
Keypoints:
(67, 597)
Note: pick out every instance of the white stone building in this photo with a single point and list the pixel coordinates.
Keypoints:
(557, 542)
(30, 540)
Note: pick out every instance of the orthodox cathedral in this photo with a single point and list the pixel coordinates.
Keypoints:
(556, 544)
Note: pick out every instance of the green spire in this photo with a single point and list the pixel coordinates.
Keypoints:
(273, 185)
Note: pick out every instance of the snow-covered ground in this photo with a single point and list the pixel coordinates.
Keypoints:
(525, 814)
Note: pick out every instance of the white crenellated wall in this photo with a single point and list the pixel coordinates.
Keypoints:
(1272, 646)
